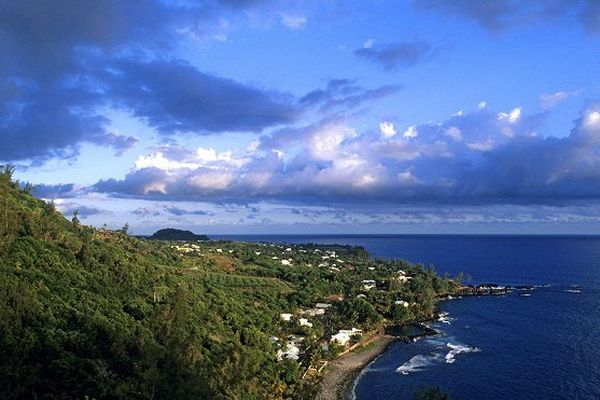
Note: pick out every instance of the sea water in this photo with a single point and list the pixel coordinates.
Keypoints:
(542, 343)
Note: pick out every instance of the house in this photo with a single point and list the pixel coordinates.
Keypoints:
(304, 322)
(368, 284)
(340, 338)
(292, 349)
(285, 317)
(361, 296)
(344, 335)
(286, 262)
(323, 306)
(402, 303)
(257, 253)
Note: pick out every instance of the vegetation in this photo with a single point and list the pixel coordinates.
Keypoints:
(176, 234)
(92, 313)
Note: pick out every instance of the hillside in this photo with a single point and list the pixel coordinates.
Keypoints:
(96, 313)
(176, 234)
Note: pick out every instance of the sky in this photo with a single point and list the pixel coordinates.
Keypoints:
(247, 116)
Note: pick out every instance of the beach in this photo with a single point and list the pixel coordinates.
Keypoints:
(341, 373)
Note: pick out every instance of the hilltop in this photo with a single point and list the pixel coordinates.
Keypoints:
(176, 234)
(97, 313)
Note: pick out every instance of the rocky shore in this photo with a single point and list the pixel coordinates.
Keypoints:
(343, 371)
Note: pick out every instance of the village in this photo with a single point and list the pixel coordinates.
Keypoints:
(347, 297)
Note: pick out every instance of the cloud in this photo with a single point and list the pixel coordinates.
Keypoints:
(500, 15)
(478, 157)
(181, 212)
(387, 129)
(344, 94)
(44, 191)
(394, 55)
(69, 62)
(551, 100)
(293, 22)
(174, 96)
(83, 211)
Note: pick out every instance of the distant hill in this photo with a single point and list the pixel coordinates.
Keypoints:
(176, 234)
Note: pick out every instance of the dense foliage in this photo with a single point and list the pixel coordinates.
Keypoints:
(94, 313)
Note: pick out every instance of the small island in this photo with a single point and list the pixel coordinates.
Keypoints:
(177, 235)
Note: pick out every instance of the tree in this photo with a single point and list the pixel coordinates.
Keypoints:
(75, 219)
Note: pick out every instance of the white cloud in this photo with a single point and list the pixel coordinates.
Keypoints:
(411, 132)
(592, 118)
(368, 43)
(293, 21)
(387, 129)
(482, 105)
(512, 116)
(551, 100)
(454, 133)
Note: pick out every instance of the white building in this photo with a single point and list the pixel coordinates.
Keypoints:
(304, 322)
(344, 336)
(285, 317)
(368, 284)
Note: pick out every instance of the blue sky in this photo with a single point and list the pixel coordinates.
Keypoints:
(423, 116)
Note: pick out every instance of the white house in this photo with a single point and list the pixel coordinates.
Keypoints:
(368, 284)
(304, 322)
(285, 317)
(402, 303)
(344, 335)
(286, 262)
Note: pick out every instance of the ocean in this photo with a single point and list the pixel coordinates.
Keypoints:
(530, 344)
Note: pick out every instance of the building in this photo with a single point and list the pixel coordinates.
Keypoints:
(368, 284)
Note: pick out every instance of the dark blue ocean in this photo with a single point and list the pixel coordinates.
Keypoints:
(539, 344)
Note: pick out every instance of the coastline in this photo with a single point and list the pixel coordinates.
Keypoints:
(342, 372)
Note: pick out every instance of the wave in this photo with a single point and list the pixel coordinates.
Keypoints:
(420, 362)
(444, 318)
(458, 349)
(417, 363)
(573, 290)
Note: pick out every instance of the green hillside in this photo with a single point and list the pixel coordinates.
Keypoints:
(97, 313)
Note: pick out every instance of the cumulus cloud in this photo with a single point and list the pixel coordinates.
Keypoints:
(387, 129)
(479, 157)
(394, 55)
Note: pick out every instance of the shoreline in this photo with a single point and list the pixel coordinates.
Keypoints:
(342, 372)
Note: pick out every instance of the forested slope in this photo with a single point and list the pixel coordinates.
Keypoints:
(78, 316)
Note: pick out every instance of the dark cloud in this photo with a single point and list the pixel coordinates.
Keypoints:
(345, 94)
(174, 96)
(68, 60)
(499, 15)
(83, 211)
(394, 55)
(180, 211)
(66, 190)
(589, 17)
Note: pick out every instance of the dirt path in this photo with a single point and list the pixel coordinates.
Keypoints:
(341, 373)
